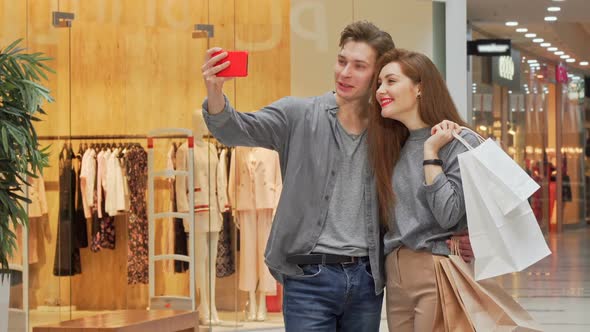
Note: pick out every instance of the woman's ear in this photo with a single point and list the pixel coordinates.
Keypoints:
(418, 90)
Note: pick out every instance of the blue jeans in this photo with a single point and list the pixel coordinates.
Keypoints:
(334, 297)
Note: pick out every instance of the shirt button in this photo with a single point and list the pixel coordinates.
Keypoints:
(333, 173)
(326, 197)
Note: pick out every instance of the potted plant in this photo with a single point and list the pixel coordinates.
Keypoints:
(20, 156)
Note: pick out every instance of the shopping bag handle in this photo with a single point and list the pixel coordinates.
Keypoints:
(462, 140)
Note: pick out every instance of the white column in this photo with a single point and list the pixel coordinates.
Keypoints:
(456, 45)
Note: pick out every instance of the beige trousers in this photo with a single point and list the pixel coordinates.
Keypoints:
(411, 290)
(254, 231)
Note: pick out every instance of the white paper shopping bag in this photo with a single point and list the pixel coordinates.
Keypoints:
(504, 233)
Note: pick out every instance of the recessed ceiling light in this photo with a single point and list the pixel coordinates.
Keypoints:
(531, 35)
(550, 18)
(532, 61)
(553, 9)
(522, 30)
(558, 53)
(570, 60)
(538, 40)
(558, 0)
(552, 49)
(511, 24)
(565, 56)
(545, 44)
(583, 63)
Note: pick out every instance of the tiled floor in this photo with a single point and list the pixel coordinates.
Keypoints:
(556, 290)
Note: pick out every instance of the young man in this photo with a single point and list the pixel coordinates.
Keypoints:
(325, 244)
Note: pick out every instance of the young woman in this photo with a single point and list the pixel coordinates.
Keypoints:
(414, 156)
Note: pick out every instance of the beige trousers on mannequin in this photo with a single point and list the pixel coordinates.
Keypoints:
(411, 296)
(254, 231)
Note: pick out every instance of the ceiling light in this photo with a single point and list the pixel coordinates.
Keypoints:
(570, 60)
(538, 40)
(553, 9)
(565, 56)
(558, 53)
(532, 61)
(522, 30)
(530, 35)
(511, 24)
(545, 44)
(583, 63)
(552, 49)
(550, 18)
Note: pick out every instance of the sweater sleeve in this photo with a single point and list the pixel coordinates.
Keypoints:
(445, 195)
(268, 128)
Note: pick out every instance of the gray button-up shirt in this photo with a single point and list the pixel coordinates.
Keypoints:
(301, 130)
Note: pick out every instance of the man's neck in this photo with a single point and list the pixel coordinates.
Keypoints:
(353, 115)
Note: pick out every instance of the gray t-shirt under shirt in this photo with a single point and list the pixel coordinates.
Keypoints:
(344, 231)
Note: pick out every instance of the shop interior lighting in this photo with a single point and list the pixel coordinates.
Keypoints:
(550, 18)
(532, 61)
(545, 44)
(522, 30)
(511, 24)
(559, 53)
(530, 35)
(552, 49)
(570, 60)
(553, 9)
(583, 63)
(565, 56)
(538, 40)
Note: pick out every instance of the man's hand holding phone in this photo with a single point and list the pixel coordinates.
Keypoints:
(219, 67)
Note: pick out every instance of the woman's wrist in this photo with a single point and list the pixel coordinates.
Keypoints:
(430, 153)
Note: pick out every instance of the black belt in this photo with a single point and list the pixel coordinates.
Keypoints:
(323, 259)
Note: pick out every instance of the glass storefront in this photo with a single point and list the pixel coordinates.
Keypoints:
(123, 69)
(532, 119)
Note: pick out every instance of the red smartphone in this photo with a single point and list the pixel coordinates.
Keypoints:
(238, 66)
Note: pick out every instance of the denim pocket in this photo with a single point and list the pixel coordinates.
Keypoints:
(309, 271)
(368, 270)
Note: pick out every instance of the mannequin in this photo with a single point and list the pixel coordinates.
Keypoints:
(254, 188)
(210, 192)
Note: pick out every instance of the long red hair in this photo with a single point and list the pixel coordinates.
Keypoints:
(386, 137)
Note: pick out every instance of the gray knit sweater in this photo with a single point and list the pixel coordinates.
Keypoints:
(426, 215)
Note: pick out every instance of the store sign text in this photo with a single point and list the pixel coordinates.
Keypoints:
(506, 67)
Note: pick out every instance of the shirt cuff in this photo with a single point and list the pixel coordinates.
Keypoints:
(219, 118)
(439, 182)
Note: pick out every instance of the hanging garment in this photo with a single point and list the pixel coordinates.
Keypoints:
(103, 225)
(37, 209)
(67, 256)
(80, 227)
(137, 252)
(87, 181)
(225, 264)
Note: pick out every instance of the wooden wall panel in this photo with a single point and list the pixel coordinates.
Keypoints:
(262, 28)
(13, 18)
